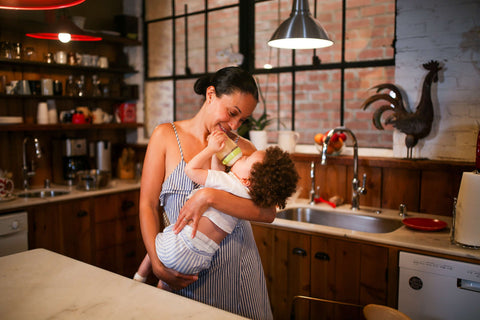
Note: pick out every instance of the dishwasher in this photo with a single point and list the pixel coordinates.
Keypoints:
(13, 233)
(435, 288)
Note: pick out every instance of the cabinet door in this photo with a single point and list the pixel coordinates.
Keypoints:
(44, 228)
(264, 238)
(346, 271)
(76, 228)
(291, 274)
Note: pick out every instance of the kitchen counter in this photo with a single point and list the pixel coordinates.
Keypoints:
(404, 237)
(40, 284)
(114, 186)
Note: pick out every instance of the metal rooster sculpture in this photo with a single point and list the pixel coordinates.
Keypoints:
(415, 125)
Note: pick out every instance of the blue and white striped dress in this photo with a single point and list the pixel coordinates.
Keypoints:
(235, 281)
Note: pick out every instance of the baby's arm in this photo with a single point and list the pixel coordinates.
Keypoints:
(195, 167)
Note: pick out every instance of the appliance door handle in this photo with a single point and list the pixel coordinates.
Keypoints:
(468, 285)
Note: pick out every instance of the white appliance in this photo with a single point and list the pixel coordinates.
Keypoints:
(13, 233)
(433, 288)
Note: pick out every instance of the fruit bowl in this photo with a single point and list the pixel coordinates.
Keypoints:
(332, 153)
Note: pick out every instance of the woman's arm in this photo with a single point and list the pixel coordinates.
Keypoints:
(151, 184)
(223, 201)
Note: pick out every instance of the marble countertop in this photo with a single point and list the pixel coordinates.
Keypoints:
(435, 241)
(40, 284)
(114, 186)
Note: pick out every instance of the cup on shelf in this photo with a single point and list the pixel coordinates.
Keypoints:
(72, 58)
(42, 113)
(23, 87)
(57, 88)
(61, 57)
(46, 87)
(102, 62)
(52, 112)
(35, 87)
(49, 58)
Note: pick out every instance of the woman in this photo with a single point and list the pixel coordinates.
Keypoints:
(235, 281)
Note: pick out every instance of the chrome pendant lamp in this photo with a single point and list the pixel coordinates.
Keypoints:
(38, 4)
(300, 30)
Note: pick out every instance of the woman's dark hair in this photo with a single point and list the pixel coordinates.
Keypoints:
(227, 81)
(274, 179)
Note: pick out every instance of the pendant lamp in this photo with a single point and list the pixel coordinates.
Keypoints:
(65, 31)
(38, 4)
(300, 30)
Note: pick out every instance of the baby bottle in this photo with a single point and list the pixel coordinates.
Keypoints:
(230, 153)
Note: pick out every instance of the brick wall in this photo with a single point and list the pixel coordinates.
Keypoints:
(447, 31)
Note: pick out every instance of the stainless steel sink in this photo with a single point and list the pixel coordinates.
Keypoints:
(43, 193)
(341, 220)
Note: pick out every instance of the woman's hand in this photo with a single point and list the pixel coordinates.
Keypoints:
(174, 279)
(193, 210)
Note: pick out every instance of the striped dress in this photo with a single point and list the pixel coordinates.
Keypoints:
(235, 281)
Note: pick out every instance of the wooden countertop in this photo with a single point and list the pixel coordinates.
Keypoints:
(40, 284)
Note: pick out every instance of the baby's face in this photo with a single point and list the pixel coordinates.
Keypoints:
(243, 166)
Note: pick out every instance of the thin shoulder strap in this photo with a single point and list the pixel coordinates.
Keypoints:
(178, 140)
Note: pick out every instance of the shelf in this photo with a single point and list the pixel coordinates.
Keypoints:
(12, 63)
(76, 98)
(67, 126)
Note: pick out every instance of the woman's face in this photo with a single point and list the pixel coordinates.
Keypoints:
(229, 111)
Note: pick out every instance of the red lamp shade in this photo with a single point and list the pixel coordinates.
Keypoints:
(38, 4)
(66, 28)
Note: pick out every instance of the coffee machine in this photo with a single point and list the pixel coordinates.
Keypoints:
(74, 158)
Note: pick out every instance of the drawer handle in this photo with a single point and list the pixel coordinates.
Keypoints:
(82, 213)
(127, 204)
(322, 256)
(299, 252)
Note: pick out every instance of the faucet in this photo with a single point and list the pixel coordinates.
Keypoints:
(312, 179)
(357, 190)
(27, 173)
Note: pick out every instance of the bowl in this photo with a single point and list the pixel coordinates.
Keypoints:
(334, 153)
(92, 179)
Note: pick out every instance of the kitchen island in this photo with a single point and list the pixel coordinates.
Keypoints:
(40, 284)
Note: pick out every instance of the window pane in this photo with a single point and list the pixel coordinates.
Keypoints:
(192, 6)
(187, 101)
(220, 3)
(268, 16)
(370, 30)
(329, 14)
(357, 85)
(155, 9)
(317, 103)
(160, 62)
(158, 104)
(196, 44)
(222, 39)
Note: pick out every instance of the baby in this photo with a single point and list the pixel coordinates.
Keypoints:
(268, 177)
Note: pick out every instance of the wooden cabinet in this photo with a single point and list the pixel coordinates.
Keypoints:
(63, 227)
(118, 241)
(322, 267)
(103, 230)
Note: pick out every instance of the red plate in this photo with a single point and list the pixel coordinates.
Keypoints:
(424, 224)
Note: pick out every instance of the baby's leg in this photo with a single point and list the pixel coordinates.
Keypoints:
(143, 270)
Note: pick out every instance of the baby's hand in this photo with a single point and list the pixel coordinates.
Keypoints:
(216, 140)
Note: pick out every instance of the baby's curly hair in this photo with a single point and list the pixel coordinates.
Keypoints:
(274, 179)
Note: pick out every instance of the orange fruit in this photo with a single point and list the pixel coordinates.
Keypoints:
(337, 144)
(319, 138)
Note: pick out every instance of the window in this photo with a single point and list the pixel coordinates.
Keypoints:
(310, 91)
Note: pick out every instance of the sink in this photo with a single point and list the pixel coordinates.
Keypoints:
(341, 220)
(43, 193)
